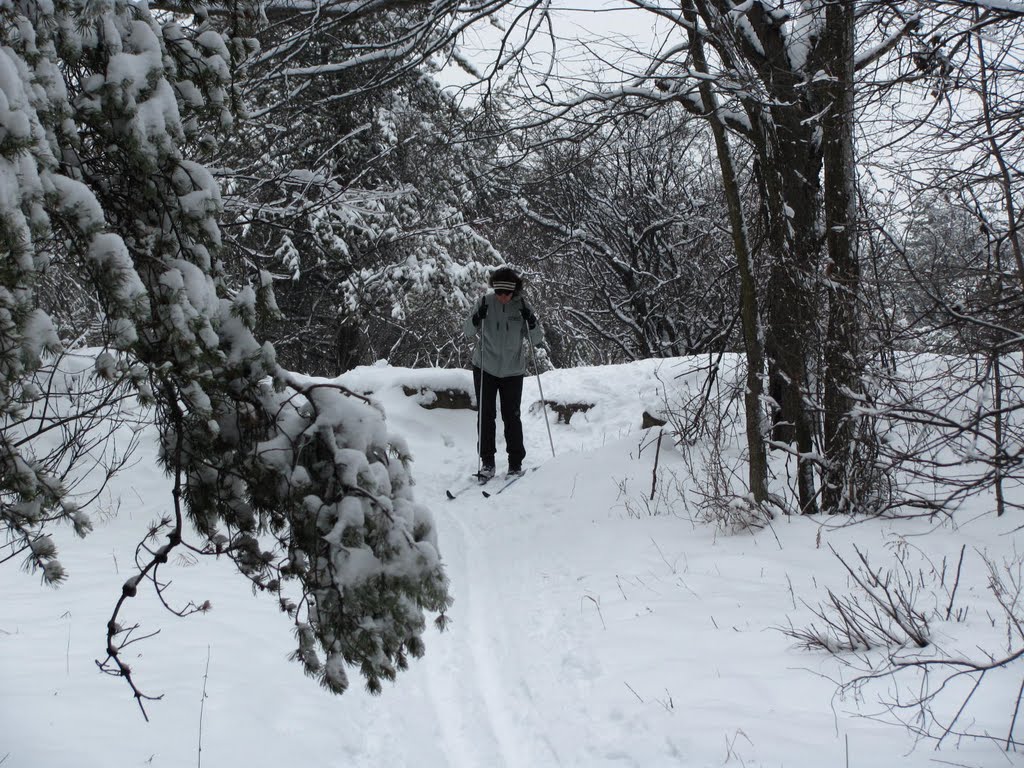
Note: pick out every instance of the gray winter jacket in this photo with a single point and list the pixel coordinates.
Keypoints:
(500, 350)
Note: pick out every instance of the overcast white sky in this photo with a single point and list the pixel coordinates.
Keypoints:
(581, 36)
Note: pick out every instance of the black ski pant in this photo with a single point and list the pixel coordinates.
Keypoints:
(488, 388)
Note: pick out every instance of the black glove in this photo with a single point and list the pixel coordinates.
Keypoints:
(480, 314)
(528, 316)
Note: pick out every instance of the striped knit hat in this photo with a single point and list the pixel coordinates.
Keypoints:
(506, 279)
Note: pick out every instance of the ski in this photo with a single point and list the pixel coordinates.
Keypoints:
(475, 482)
(508, 482)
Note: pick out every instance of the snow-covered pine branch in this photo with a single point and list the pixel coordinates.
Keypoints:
(105, 111)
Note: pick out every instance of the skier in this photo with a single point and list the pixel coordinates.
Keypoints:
(503, 320)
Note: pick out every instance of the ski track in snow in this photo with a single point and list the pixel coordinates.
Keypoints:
(484, 633)
(496, 572)
(478, 685)
(464, 685)
(454, 684)
(483, 685)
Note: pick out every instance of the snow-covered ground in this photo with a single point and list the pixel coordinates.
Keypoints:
(591, 627)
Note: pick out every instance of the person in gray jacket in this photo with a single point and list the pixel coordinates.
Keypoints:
(503, 321)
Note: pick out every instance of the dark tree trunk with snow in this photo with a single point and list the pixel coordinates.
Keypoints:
(841, 353)
(783, 133)
(789, 172)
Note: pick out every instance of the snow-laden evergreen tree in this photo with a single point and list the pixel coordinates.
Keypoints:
(105, 113)
(356, 188)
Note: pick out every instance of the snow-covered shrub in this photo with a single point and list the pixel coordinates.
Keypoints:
(882, 612)
(707, 426)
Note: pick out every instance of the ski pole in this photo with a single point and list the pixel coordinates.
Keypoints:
(480, 404)
(543, 405)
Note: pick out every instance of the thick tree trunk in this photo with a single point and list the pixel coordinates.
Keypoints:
(790, 161)
(791, 112)
(841, 353)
